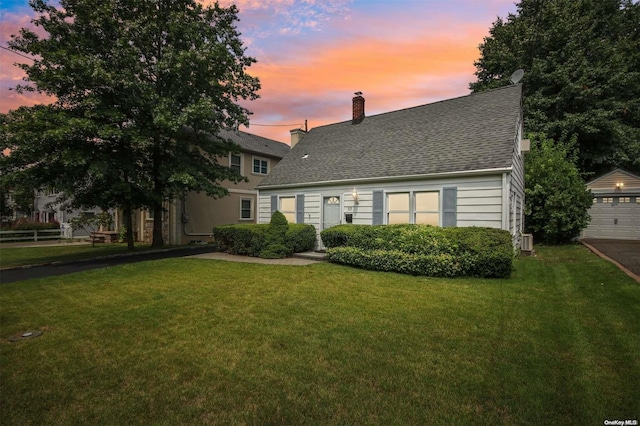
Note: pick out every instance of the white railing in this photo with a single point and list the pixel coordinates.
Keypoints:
(30, 235)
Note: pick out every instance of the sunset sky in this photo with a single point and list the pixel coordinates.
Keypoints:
(314, 54)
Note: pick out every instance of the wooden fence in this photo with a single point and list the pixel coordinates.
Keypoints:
(30, 235)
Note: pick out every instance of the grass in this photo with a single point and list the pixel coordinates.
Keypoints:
(20, 256)
(206, 342)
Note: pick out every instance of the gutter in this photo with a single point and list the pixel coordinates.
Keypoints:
(390, 178)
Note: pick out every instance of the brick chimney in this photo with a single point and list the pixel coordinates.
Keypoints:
(358, 108)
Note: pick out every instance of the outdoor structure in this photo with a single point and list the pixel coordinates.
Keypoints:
(47, 209)
(193, 218)
(457, 162)
(615, 213)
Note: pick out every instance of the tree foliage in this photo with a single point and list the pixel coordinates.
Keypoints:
(556, 197)
(582, 74)
(142, 89)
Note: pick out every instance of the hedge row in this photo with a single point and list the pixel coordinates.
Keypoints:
(25, 224)
(422, 249)
(250, 239)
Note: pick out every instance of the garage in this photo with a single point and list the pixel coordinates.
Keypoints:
(615, 213)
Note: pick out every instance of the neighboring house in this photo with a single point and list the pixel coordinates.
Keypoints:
(46, 209)
(615, 213)
(193, 218)
(457, 162)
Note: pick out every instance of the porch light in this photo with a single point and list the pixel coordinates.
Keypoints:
(354, 194)
(619, 185)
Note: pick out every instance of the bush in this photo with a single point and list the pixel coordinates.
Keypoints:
(25, 224)
(422, 249)
(247, 240)
(275, 247)
(250, 239)
(300, 237)
(556, 197)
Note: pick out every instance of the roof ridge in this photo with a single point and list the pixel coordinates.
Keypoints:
(495, 89)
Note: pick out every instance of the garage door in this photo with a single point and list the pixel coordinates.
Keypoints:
(615, 218)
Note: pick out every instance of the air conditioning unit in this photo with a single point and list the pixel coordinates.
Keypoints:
(527, 244)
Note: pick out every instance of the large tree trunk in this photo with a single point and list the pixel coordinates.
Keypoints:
(158, 240)
(128, 223)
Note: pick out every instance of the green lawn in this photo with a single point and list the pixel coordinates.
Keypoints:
(193, 341)
(20, 256)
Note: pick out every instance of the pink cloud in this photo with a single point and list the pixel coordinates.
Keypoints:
(312, 55)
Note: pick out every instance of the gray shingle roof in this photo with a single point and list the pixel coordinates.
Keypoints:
(257, 144)
(473, 132)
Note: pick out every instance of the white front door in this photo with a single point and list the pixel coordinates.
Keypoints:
(330, 212)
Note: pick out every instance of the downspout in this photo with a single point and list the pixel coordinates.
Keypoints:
(505, 202)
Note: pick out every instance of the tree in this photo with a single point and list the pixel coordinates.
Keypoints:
(582, 74)
(143, 88)
(556, 197)
(91, 223)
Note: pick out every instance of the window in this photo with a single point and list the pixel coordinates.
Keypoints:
(398, 208)
(607, 199)
(235, 163)
(415, 207)
(624, 200)
(51, 191)
(260, 166)
(595, 200)
(288, 208)
(246, 209)
(427, 208)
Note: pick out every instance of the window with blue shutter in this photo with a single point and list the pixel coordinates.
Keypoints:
(449, 207)
(300, 208)
(378, 208)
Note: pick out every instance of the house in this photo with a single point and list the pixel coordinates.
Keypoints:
(192, 218)
(457, 162)
(46, 208)
(615, 213)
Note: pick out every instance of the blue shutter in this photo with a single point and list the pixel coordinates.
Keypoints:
(378, 208)
(449, 207)
(274, 204)
(300, 208)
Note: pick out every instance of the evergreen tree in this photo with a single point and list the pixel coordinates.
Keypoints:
(582, 74)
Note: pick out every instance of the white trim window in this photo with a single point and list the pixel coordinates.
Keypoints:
(246, 208)
(288, 208)
(260, 166)
(398, 209)
(427, 208)
(421, 207)
(235, 163)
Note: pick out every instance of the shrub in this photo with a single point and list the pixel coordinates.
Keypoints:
(300, 237)
(557, 200)
(251, 239)
(422, 249)
(24, 223)
(247, 240)
(275, 247)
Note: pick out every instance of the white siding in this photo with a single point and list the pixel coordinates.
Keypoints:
(480, 200)
(480, 206)
(264, 209)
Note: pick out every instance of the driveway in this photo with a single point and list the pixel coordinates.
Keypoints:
(622, 252)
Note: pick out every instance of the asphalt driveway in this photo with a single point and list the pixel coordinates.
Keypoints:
(624, 252)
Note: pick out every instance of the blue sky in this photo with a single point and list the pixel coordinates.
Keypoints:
(313, 54)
